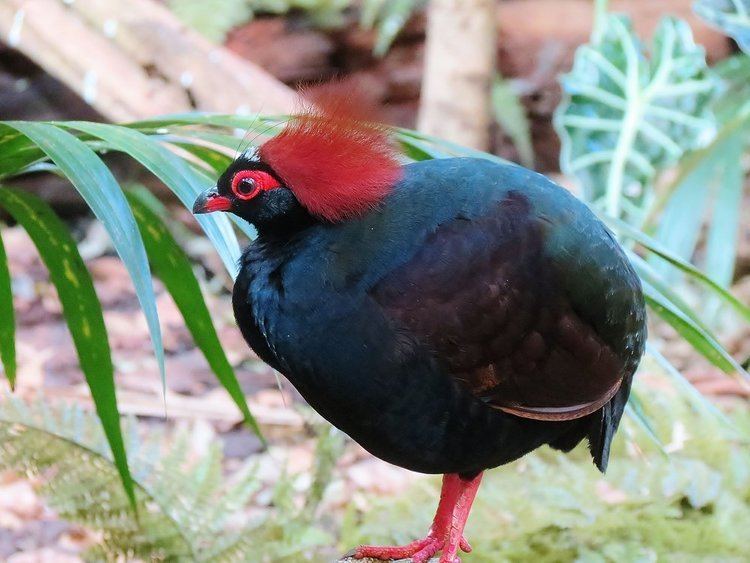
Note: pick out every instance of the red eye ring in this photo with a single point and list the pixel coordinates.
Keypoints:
(247, 184)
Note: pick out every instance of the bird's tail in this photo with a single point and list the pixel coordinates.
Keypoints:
(602, 431)
(599, 428)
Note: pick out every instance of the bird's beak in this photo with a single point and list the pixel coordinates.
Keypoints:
(210, 201)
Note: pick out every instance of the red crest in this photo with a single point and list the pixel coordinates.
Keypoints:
(338, 161)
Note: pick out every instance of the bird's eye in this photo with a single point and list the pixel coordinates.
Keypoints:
(246, 184)
(246, 187)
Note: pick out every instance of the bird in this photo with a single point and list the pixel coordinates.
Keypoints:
(449, 315)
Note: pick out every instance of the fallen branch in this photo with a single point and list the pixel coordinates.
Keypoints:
(132, 60)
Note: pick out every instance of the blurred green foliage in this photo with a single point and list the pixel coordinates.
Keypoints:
(215, 18)
(730, 16)
(707, 189)
(212, 18)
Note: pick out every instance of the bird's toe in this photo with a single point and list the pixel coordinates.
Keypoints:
(386, 553)
(464, 545)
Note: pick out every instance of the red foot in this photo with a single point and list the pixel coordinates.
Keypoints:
(446, 533)
(420, 551)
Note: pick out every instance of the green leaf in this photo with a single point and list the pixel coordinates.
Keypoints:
(173, 267)
(681, 222)
(214, 159)
(637, 413)
(733, 130)
(81, 308)
(696, 398)
(734, 73)
(625, 115)
(258, 123)
(730, 16)
(511, 116)
(389, 17)
(369, 12)
(700, 339)
(16, 151)
(695, 274)
(8, 325)
(706, 178)
(418, 150)
(443, 148)
(176, 174)
(214, 18)
(100, 190)
(648, 274)
(179, 124)
(721, 241)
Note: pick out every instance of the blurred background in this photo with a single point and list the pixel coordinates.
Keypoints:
(511, 77)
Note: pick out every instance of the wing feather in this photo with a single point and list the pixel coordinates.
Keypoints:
(495, 308)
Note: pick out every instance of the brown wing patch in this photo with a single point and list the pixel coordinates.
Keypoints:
(480, 294)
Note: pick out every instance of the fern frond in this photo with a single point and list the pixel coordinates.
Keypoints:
(188, 510)
(67, 446)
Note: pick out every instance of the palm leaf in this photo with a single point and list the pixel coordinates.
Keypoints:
(8, 326)
(711, 177)
(700, 339)
(723, 230)
(734, 99)
(511, 116)
(172, 266)
(82, 311)
(694, 273)
(100, 190)
(649, 275)
(16, 151)
(176, 174)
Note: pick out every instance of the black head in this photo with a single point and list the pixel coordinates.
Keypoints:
(250, 189)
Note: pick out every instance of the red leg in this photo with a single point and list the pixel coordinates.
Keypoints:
(455, 539)
(446, 532)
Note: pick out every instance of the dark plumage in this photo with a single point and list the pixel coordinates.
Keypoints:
(474, 286)
(477, 313)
